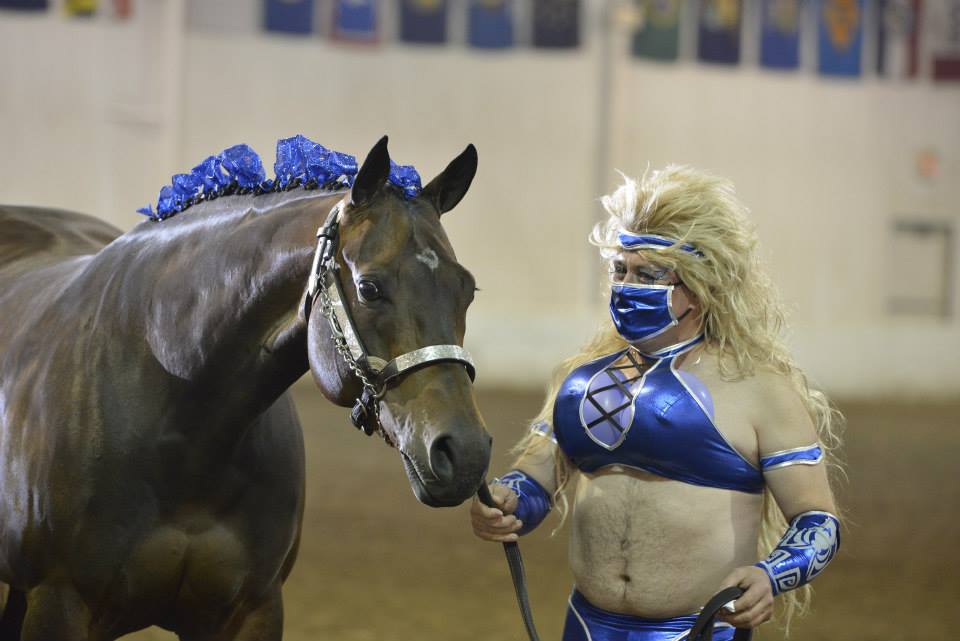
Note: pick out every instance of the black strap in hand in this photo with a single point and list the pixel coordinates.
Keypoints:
(515, 561)
(703, 627)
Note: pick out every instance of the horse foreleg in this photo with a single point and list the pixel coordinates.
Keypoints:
(55, 612)
(13, 605)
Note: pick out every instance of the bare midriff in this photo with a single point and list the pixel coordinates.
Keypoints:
(652, 547)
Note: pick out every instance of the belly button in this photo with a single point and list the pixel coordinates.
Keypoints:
(625, 578)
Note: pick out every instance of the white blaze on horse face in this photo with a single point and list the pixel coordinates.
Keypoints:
(429, 258)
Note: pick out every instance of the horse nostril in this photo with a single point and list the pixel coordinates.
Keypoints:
(442, 459)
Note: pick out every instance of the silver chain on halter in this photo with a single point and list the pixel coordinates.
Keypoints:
(340, 344)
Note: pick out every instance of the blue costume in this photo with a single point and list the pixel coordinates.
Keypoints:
(639, 410)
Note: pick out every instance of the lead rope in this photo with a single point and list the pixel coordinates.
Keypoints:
(512, 550)
(702, 629)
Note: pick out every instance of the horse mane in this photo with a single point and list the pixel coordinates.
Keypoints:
(237, 170)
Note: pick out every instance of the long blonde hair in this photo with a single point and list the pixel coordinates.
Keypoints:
(742, 313)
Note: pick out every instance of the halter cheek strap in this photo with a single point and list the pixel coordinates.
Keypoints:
(375, 373)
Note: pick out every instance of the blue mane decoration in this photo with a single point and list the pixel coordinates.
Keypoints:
(238, 170)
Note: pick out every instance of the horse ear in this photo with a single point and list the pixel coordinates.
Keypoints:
(373, 173)
(446, 190)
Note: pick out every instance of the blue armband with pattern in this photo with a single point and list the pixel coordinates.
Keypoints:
(533, 502)
(811, 542)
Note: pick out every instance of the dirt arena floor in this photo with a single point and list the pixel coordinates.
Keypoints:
(375, 565)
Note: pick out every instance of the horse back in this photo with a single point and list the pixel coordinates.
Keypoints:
(40, 236)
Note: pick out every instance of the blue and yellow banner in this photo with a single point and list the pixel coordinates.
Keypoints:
(423, 21)
(556, 23)
(719, 31)
(657, 35)
(840, 36)
(355, 20)
(780, 34)
(26, 5)
(289, 16)
(490, 24)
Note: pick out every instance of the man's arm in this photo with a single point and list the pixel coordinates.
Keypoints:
(794, 470)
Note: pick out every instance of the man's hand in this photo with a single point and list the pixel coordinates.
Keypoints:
(756, 604)
(492, 524)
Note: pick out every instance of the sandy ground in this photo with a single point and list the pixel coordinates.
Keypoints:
(377, 565)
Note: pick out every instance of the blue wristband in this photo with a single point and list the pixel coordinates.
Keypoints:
(533, 502)
(809, 544)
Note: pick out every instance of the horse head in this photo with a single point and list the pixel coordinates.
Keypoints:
(404, 290)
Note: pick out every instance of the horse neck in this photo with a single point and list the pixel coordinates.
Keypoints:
(227, 282)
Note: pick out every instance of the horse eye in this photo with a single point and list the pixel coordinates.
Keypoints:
(368, 290)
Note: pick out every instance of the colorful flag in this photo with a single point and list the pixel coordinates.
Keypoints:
(30, 5)
(556, 23)
(289, 16)
(490, 24)
(122, 9)
(897, 38)
(945, 36)
(658, 32)
(840, 37)
(81, 8)
(780, 34)
(423, 21)
(719, 33)
(355, 20)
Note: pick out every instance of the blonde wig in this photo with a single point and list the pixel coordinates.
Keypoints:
(742, 314)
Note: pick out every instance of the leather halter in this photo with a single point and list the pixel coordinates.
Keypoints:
(375, 373)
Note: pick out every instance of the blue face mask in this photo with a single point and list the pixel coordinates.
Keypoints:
(641, 312)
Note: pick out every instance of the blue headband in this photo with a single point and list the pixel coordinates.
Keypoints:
(631, 241)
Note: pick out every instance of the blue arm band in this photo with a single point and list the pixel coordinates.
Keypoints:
(534, 501)
(810, 543)
(809, 455)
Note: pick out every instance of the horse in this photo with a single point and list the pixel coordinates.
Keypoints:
(151, 459)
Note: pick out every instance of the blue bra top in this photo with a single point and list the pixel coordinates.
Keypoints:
(660, 420)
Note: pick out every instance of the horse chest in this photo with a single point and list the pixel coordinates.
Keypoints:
(179, 569)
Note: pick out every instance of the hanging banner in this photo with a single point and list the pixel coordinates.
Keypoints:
(556, 23)
(122, 9)
(289, 16)
(719, 31)
(80, 8)
(490, 24)
(780, 34)
(897, 38)
(423, 21)
(657, 35)
(945, 39)
(355, 20)
(840, 37)
(24, 5)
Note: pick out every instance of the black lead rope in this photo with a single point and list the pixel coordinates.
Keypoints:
(515, 561)
(702, 629)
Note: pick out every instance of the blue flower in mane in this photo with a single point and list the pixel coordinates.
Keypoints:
(243, 164)
(211, 176)
(406, 178)
(300, 162)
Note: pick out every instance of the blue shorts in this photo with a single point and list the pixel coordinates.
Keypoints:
(586, 622)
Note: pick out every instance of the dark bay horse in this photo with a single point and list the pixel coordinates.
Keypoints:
(151, 461)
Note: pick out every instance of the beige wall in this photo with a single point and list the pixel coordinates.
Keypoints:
(113, 109)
